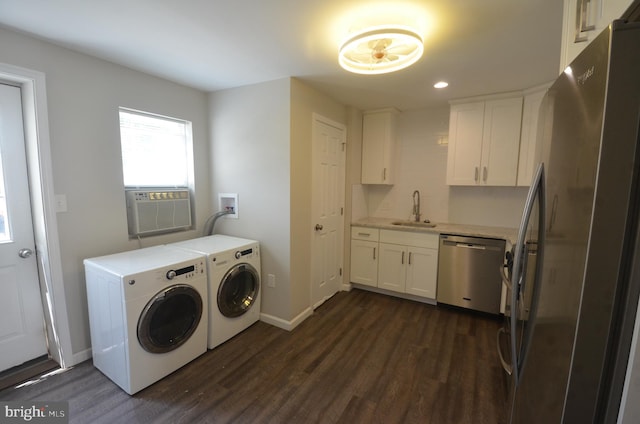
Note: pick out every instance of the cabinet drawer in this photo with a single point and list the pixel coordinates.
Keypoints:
(407, 238)
(365, 233)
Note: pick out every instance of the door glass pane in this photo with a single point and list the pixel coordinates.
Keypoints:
(5, 235)
(174, 320)
(238, 291)
(169, 319)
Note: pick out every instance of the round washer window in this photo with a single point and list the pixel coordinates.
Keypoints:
(169, 319)
(238, 290)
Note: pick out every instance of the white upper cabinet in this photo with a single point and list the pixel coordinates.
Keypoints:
(583, 20)
(379, 129)
(484, 141)
(465, 143)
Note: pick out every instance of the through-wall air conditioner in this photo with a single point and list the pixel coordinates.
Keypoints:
(158, 211)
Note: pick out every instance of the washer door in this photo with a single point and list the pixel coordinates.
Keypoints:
(238, 290)
(169, 319)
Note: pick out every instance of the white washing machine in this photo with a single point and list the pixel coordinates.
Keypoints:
(148, 312)
(233, 266)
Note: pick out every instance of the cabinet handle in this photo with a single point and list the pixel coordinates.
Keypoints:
(484, 174)
(374, 253)
(409, 258)
(475, 178)
(384, 174)
(582, 20)
(365, 234)
(402, 258)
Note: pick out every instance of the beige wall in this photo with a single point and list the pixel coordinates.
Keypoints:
(258, 146)
(261, 149)
(83, 95)
(250, 156)
(305, 101)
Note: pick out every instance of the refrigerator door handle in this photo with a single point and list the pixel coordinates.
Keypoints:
(537, 186)
(505, 366)
(505, 279)
(533, 309)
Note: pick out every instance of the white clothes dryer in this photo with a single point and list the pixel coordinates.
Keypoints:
(233, 266)
(148, 313)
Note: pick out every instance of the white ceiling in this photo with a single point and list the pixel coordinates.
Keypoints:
(478, 46)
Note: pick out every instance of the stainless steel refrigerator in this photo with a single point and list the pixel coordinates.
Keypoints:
(573, 308)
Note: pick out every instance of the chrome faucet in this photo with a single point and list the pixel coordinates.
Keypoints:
(416, 205)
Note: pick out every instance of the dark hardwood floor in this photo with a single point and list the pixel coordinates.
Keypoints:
(361, 358)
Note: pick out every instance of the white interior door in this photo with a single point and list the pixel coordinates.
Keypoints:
(327, 209)
(22, 328)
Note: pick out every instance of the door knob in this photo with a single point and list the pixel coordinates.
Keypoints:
(319, 227)
(25, 253)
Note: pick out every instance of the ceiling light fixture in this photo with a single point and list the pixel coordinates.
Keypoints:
(380, 50)
(441, 84)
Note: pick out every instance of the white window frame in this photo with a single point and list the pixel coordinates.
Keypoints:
(188, 150)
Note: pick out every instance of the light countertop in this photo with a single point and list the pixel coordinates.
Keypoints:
(508, 234)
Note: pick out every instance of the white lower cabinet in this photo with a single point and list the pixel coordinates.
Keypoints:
(408, 269)
(364, 262)
(364, 256)
(392, 268)
(422, 272)
(398, 261)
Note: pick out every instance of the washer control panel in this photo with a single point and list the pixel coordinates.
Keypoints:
(246, 252)
(183, 272)
(188, 271)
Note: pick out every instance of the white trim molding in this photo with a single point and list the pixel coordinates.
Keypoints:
(284, 324)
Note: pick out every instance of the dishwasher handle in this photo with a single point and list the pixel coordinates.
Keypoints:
(471, 246)
(471, 243)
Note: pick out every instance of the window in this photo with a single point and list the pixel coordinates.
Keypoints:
(157, 167)
(156, 150)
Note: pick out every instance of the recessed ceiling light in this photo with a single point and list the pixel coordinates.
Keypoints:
(380, 50)
(441, 84)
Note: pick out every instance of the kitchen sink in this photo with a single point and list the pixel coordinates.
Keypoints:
(425, 224)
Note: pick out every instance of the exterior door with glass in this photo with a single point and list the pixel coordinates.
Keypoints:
(22, 328)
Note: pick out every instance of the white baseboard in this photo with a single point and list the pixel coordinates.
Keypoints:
(284, 324)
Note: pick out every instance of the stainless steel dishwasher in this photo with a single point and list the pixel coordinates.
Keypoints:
(469, 272)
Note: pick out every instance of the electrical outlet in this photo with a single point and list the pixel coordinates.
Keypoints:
(271, 280)
(61, 203)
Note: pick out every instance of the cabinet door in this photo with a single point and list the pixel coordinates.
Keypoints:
(392, 267)
(592, 16)
(501, 142)
(378, 145)
(364, 262)
(422, 272)
(465, 143)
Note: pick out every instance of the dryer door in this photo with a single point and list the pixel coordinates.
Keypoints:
(238, 290)
(169, 319)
